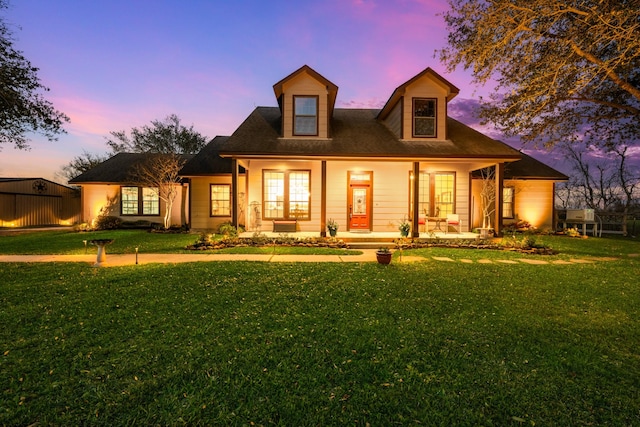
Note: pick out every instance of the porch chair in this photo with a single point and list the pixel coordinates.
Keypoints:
(454, 221)
(423, 221)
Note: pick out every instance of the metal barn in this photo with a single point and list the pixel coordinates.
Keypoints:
(32, 202)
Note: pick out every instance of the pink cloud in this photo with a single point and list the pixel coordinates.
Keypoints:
(363, 103)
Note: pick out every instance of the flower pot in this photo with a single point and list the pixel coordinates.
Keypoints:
(333, 233)
(383, 257)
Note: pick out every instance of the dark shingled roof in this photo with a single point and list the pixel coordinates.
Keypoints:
(530, 168)
(357, 133)
(208, 162)
(116, 169)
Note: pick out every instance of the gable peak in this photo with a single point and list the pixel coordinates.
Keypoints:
(452, 90)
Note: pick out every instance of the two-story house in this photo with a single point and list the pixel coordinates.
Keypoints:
(304, 161)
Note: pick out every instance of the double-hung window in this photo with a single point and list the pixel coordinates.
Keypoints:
(220, 200)
(508, 196)
(305, 119)
(443, 192)
(129, 200)
(286, 194)
(424, 117)
(139, 201)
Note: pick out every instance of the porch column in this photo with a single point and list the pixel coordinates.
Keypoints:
(554, 212)
(415, 226)
(234, 192)
(323, 201)
(499, 176)
(185, 189)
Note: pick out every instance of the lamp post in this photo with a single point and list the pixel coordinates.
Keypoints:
(136, 255)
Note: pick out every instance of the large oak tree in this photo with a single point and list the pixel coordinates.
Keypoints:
(564, 70)
(23, 108)
(167, 136)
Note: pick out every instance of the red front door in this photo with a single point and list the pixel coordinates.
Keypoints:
(359, 201)
(359, 217)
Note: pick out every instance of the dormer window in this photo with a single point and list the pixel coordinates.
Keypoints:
(424, 117)
(305, 119)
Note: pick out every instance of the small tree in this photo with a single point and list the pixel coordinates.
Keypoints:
(629, 180)
(488, 195)
(593, 177)
(603, 178)
(160, 171)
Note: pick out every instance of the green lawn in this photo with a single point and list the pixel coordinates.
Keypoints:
(69, 243)
(239, 343)
(125, 241)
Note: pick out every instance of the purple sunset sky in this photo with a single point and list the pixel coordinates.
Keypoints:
(113, 65)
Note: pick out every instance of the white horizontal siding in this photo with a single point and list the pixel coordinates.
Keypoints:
(390, 198)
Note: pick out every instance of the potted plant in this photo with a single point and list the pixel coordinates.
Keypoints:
(332, 226)
(383, 255)
(404, 227)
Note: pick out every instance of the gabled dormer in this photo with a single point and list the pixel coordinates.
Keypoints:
(306, 101)
(417, 110)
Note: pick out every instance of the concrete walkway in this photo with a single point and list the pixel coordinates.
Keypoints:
(368, 255)
(130, 259)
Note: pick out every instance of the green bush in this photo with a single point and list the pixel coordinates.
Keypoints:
(108, 223)
(138, 224)
(84, 226)
(228, 230)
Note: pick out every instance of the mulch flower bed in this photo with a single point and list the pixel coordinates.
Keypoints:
(473, 244)
(320, 242)
(310, 242)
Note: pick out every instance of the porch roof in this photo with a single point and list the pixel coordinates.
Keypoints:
(357, 133)
(528, 168)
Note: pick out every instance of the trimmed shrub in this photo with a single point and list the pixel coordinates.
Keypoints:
(84, 226)
(227, 230)
(108, 223)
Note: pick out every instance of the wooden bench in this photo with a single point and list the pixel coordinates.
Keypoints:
(285, 226)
